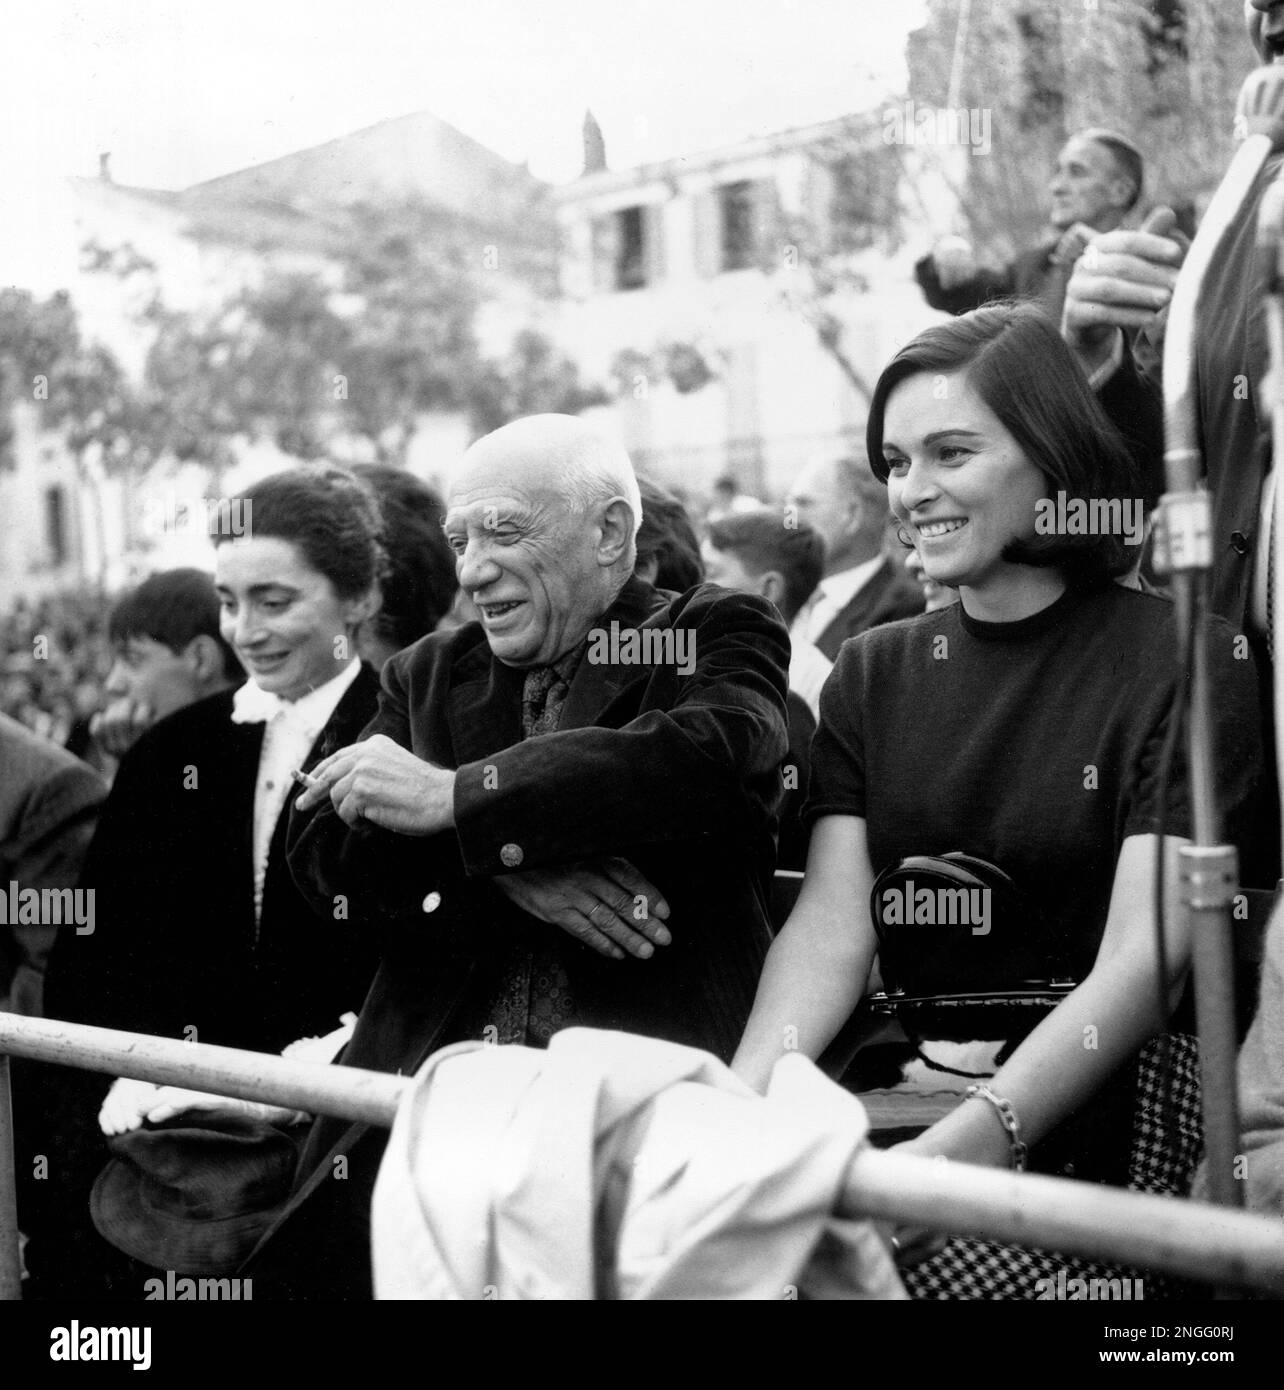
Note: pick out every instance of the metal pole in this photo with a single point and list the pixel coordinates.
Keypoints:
(1205, 1243)
(316, 1087)
(10, 1260)
(1187, 1238)
(1188, 556)
(1209, 875)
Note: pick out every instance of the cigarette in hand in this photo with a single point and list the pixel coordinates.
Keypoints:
(304, 779)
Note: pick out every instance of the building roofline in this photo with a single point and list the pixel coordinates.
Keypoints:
(166, 197)
(267, 165)
(795, 137)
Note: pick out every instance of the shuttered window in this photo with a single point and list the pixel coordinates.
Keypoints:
(630, 253)
(739, 206)
(56, 545)
(628, 248)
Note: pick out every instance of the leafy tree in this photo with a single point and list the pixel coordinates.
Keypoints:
(79, 388)
(534, 377)
(343, 360)
(1165, 74)
(34, 335)
(254, 368)
(411, 347)
(685, 365)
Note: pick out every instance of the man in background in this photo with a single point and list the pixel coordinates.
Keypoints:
(757, 553)
(1097, 182)
(860, 588)
(168, 654)
(728, 499)
(49, 804)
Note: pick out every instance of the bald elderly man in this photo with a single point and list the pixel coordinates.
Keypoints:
(562, 814)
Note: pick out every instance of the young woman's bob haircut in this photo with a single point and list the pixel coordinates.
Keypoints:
(1017, 363)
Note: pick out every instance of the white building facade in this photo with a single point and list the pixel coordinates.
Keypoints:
(699, 251)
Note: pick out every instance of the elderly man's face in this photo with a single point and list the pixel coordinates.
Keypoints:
(819, 500)
(1087, 186)
(527, 560)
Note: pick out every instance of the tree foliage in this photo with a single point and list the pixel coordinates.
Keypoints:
(78, 388)
(533, 378)
(1164, 73)
(343, 361)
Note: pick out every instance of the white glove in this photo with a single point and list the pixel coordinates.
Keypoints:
(126, 1105)
(954, 260)
(129, 1102)
(324, 1049)
(174, 1100)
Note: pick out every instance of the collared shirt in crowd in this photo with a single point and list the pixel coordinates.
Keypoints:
(809, 669)
(832, 595)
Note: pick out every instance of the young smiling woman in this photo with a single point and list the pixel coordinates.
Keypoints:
(1022, 725)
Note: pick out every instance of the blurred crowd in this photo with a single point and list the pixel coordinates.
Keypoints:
(54, 658)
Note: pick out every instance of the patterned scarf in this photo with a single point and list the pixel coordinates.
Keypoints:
(544, 693)
(533, 1001)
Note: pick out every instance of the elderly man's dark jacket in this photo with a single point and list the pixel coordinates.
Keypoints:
(680, 774)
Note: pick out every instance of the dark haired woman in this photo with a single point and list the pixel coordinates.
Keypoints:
(668, 551)
(199, 931)
(419, 584)
(1022, 725)
(202, 931)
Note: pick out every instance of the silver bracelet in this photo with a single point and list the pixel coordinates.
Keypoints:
(1009, 1121)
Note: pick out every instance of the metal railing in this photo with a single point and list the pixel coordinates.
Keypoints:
(316, 1087)
(1189, 1239)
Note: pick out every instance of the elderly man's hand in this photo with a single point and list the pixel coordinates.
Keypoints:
(953, 261)
(116, 729)
(605, 903)
(1074, 242)
(1122, 280)
(381, 782)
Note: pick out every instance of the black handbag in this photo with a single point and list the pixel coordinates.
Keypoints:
(960, 951)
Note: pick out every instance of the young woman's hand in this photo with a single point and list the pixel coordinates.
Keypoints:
(910, 1245)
